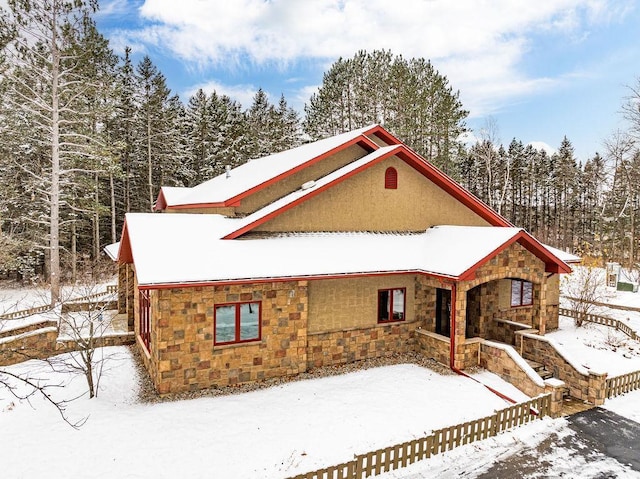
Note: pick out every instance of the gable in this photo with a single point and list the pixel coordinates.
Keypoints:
(306, 162)
(363, 203)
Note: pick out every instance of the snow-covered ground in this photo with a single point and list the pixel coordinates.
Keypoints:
(270, 433)
(596, 347)
(18, 299)
(288, 429)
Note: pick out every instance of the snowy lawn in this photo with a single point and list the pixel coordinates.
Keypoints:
(18, 299)
(270, 433)
(627, 405)
(596, 347)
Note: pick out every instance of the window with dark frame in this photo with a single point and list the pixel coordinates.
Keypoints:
(391, 179)
(145, 319)
(521, 293)
(237, 322)
(391, 305)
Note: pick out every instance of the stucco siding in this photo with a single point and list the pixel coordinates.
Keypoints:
(361, 203)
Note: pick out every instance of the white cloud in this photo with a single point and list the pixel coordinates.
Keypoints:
(479, 46)
(243, 94)
(542, 146)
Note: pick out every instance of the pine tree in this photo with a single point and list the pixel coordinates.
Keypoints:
(409, 97)
(45, 81)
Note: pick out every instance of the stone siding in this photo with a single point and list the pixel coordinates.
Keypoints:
(504, 331)
(342, 347)
(183, 356)
(433, 346)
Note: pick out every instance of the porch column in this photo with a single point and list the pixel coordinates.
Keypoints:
(458, 325)
(540, 312)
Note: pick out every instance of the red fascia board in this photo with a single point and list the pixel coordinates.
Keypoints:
(552, 263)
(453, 188)
(124, 252)
(161, 202)
(383, 134)
(309, 195)
(284, 279)
(361, 140)
(420, 165)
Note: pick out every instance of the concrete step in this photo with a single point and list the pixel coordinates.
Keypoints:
(540, 369)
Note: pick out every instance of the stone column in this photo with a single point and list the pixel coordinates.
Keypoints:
(597, 388)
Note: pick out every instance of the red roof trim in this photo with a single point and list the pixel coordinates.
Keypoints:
(454, 189)
(292, 278)
(420, 165)
(552, 263)
(360, 140)
(311, 194)
(161, 202)
(124, 252)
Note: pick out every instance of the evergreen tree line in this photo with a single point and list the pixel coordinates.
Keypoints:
(88, 136)
(590, 209)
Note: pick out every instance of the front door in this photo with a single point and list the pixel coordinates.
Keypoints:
(443, 311)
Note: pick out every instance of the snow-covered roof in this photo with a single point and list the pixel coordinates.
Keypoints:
(313, 187)
(112, 250)
(256, 172)
(563, 255)
(185, 248)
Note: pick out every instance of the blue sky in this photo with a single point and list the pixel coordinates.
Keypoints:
(536, 70)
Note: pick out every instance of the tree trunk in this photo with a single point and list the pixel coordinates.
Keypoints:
(113, 208)
(149, 164)
(54, 236)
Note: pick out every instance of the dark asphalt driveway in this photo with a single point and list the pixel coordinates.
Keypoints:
(599, 434)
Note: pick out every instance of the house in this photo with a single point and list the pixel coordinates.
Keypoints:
(348, 248)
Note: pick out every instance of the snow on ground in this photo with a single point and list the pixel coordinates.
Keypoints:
(17, 299)
(538, 440)
(496, 382)
(627, 405)
(271, 433)
(596, 347)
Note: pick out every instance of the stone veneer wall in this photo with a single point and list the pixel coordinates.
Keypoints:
(37, 344)
(504, 330)
(498, 360)
(553, 312)
(586, 385)
(436, 346)
(433, 345)
(347, 346)
(425, 301)
(514, 262)
(183, 356)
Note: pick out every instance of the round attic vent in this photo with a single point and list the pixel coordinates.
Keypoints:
(308, 184)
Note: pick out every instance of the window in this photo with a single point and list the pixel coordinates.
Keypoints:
(521, 293)
(391, 179)
(144, 317)
(237, 323)
(391, 305)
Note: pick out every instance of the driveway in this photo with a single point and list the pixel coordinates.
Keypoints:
(598, 436)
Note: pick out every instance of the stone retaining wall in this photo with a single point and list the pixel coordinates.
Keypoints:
(37, 344)
(583, 384)
(43, 343)
(504, 361)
